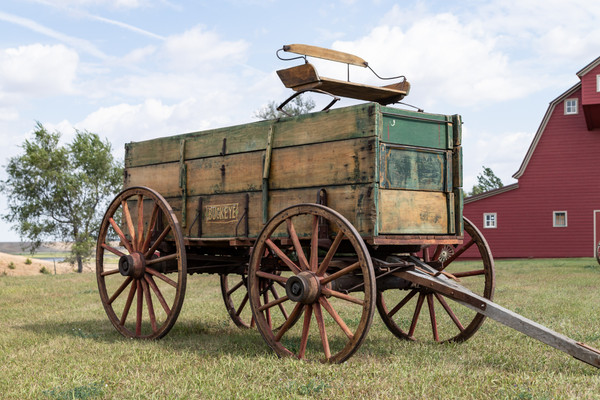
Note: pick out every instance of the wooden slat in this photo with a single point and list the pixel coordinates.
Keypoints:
(321, 164)
(338, 124)
(326, 54)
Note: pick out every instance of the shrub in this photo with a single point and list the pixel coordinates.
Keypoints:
(45, 271)
(11, 265)
(28, 261)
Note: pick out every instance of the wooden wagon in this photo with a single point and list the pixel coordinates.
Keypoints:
(312, 223)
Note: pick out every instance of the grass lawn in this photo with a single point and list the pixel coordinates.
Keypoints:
(56, 343)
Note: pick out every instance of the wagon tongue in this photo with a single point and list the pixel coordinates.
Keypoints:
(423, 275)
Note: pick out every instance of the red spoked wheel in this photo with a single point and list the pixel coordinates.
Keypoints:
(234, 289)
(444, 321)
(329, 285)
(139, 244)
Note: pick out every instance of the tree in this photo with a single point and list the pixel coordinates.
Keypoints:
(60, 192)
(295, 107)
(486, 181)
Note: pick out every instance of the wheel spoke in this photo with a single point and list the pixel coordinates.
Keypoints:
(449, 311)
(268, 310)
(162, 236)
(140, 305)
(158, 293)
(120, 289)
(121, 235)
(305, 331)
(341, 272)
(289, 322)
(110, 272)
(242, 305)
(129, 222)
(112, 250)
(413, 324)
(128, 304)
(314, 244)
(140, 222)
(322, 332)
(161, 277)
(162, 259)
(149, 305)
(281, 307)
(343, 296)
(431, 307)
(469, 273)
(402, 303)
(330, 253)
(327, 306)
(271, 304)
(236, 287)
(150, 229)
(296, 241)
(293, 267)
(273, 277)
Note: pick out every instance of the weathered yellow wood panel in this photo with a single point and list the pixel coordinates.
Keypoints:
(321, 164)
(412, 212)
(221, 213)
(338, 124)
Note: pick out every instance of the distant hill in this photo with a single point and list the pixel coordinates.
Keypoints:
(17, 247)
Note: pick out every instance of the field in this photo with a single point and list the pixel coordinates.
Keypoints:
(57, 343)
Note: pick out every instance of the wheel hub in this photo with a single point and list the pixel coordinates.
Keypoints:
(132, 265)
(303, 288)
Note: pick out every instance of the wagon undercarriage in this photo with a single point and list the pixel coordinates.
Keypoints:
(386, 231)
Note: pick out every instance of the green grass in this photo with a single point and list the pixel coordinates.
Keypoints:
(57, 343)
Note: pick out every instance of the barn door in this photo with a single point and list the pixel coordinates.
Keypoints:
(596, 229)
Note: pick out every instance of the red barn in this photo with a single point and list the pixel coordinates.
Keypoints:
(554, 208)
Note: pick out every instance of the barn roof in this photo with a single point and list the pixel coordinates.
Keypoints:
(589, 67)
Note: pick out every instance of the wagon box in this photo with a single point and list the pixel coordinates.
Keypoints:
(371, 161)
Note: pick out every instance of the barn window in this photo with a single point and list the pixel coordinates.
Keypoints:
(597, 83)
(560, 219)
(570, 106)
(489, 220)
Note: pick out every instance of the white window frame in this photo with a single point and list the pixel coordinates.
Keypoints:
(597, 83)
(492, 223)
(575, 106)
(554, 215)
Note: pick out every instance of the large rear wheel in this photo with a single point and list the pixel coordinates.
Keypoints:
(139, 244)
(329, 285)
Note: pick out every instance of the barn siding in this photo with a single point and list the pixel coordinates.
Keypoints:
(561, 175)
(588, 87)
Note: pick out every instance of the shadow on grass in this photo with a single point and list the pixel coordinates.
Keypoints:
(185, 336)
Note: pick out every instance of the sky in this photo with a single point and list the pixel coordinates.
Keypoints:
(131, 70)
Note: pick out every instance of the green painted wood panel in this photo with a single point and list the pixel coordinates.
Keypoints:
(417, 129)
(413, 169)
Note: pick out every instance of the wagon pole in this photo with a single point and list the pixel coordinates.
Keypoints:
(458, 293)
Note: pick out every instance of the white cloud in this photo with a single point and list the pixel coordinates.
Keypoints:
(37, 70)
(444, 59)
(199, 50)
(117, 4)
